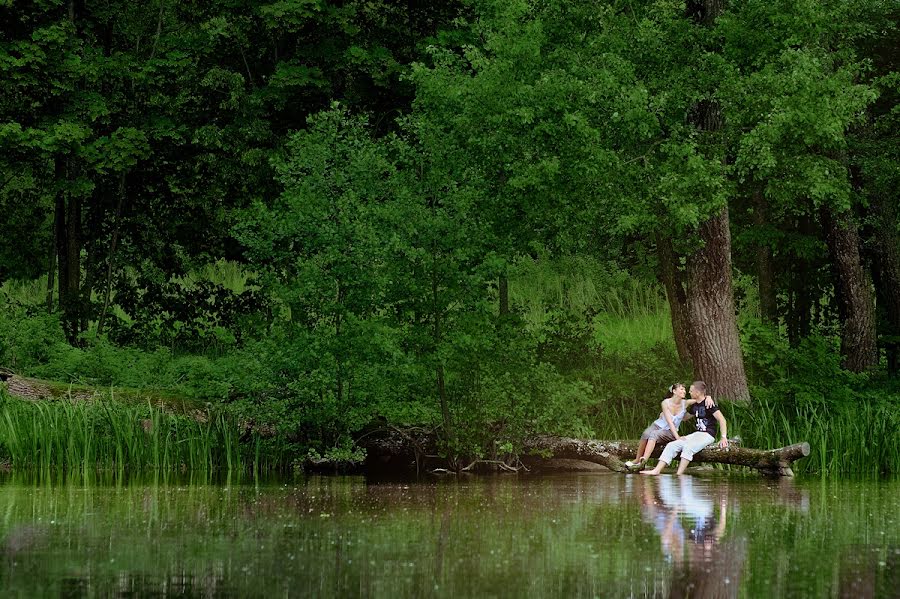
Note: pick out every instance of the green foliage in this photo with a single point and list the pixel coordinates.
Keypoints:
(309, 210)
(803, 394)
(28, 339)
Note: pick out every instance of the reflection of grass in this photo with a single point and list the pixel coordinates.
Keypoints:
(569, 536)
(88, 435)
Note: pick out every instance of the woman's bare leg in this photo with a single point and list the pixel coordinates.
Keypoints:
(640, 450)
(651, 445)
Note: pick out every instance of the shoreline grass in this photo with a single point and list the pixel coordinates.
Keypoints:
(103, 434)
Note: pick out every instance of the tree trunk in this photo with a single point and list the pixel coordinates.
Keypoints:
(503, 286)
(705, 12)
(887, 268)
(339, 360)
(111, 258)
(800, 292)
(72, 308)
(60, 235)
(673, 280)
(765, 273)
(51, 272)
(717, 350)
(858, 335)
(439, 369)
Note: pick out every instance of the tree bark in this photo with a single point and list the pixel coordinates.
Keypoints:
(717, 349)
(72, 308)
(800, 291)
(858, 335)
(439, 369)
(59, 234)
(673, 280)
(771, 461)
(765, 273)
(705, 12)
(111, 258)
(887, 268)
(51, 272)
(716, 352)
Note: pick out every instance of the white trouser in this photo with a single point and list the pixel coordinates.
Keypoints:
(687, 446)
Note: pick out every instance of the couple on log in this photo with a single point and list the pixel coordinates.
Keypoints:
(707, 418)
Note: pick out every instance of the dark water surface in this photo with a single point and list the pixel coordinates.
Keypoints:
(586, 535)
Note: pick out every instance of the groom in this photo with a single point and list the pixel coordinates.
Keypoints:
(708, 420)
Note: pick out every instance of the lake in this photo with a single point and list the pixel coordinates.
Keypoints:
(564, 535)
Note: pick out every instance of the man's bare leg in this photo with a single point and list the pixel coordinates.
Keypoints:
(682, 466)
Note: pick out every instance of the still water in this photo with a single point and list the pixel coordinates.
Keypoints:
(585, 535)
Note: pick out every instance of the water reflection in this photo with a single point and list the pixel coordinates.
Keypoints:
(691, 524)
(507, 536)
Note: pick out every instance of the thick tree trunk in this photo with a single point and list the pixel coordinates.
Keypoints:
(673, 280)
(887, 268)
(717, 350)
(765, 272)
(858, 335)
(705, 12)
(772, 461)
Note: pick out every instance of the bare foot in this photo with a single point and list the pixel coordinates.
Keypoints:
(653, 472)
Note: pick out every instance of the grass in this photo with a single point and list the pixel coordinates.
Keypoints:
(845, 437)
(90, 436)
(228, 274)
(627, 315)
(632, 360)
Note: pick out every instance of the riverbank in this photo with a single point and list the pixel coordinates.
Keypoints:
(45, 426)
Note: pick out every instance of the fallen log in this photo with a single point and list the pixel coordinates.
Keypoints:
(393, 448)
(776, 462)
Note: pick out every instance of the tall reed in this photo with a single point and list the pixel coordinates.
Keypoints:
(107, 435)
(856, 437)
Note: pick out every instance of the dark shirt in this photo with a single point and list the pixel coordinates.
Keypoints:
(704, 419)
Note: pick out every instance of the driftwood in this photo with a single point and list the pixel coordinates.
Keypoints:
(396, 448)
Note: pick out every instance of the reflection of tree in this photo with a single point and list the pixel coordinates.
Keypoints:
(864, 573)
(691, 535)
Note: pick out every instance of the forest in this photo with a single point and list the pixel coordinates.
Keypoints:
(307, 219)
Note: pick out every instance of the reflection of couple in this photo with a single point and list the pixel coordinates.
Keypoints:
(690, 533)
(674, 408)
